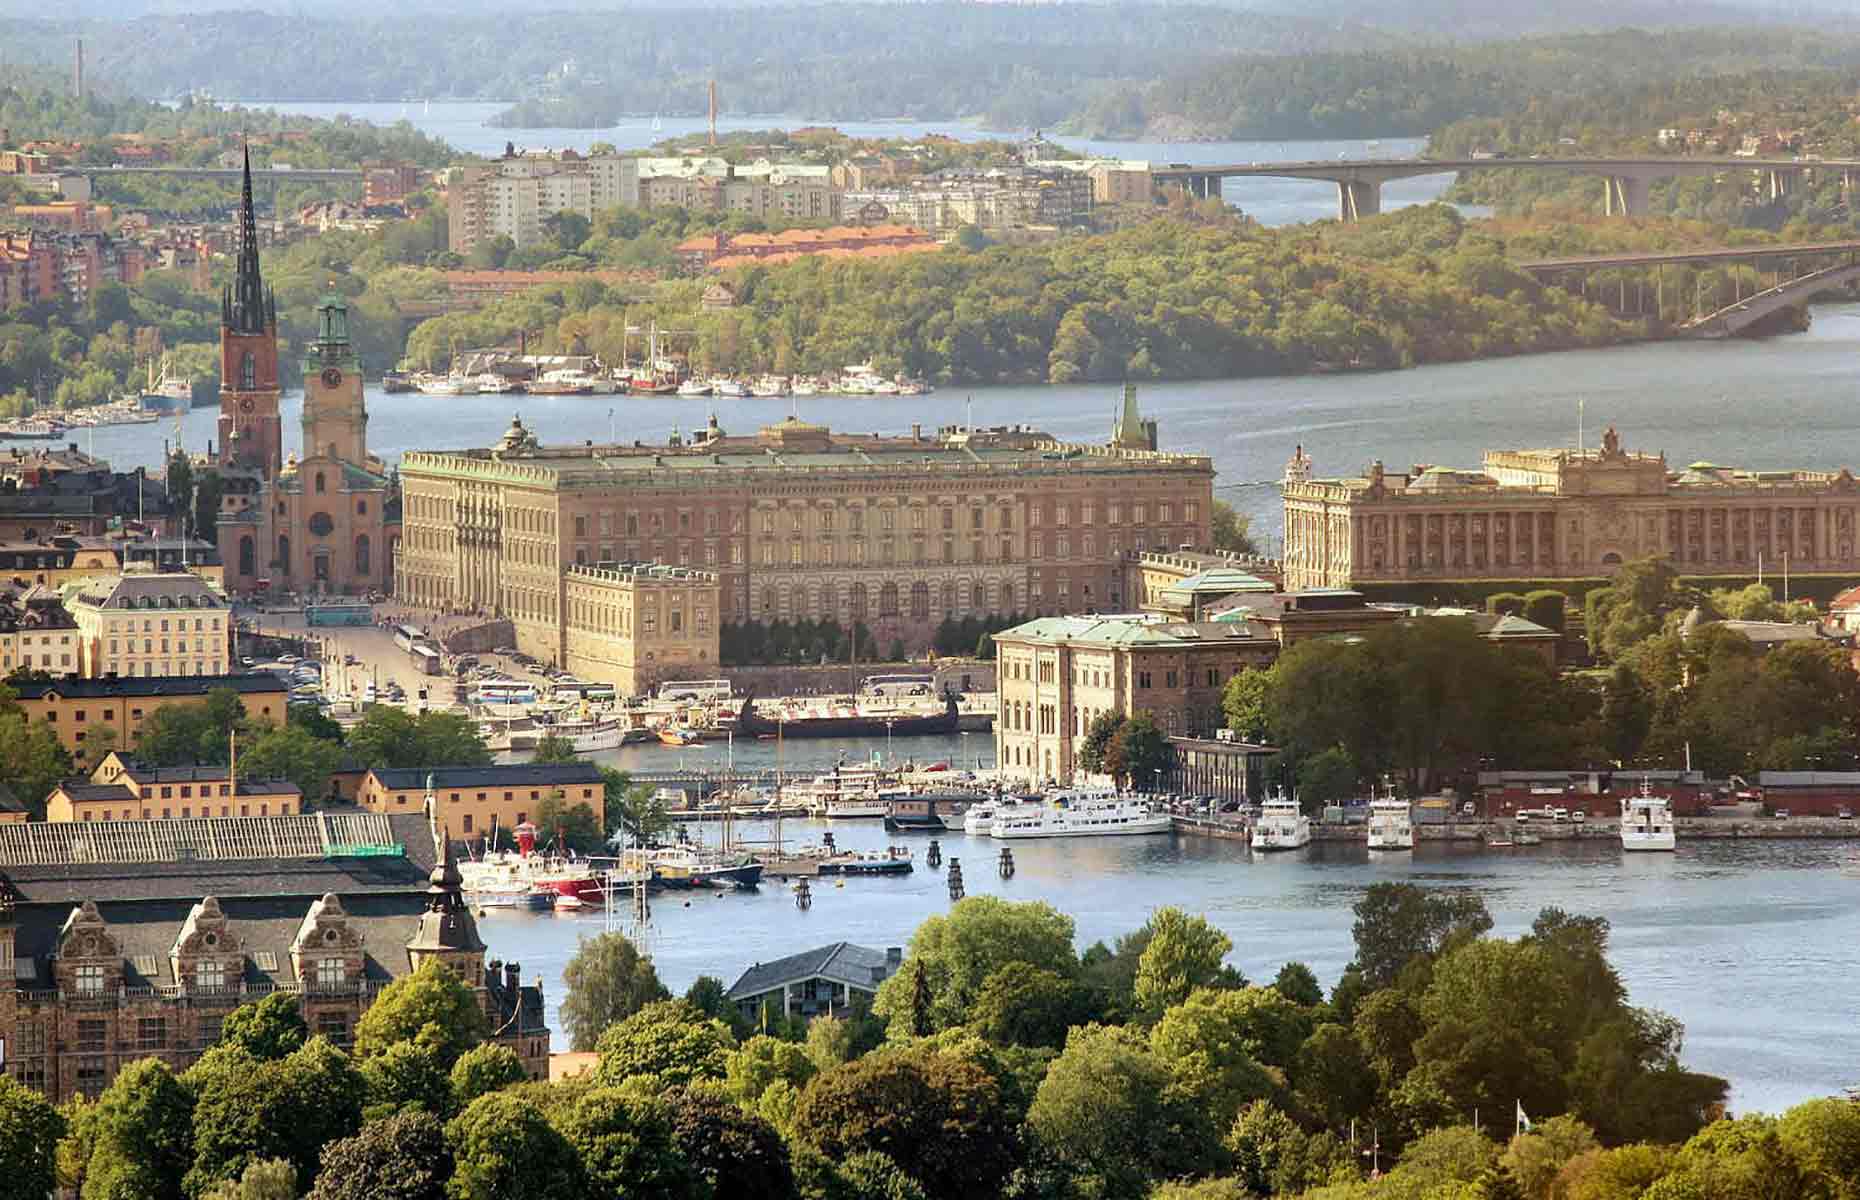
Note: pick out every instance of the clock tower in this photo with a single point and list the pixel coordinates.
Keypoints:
(335, 412)
(251, 434)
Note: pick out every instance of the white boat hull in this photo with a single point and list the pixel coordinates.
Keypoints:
(1658, 841)
(1275, 842)
(1055, 829)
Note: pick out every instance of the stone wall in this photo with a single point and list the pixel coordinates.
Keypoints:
(478, 639)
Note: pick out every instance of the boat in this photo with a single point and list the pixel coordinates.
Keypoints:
(727, 388)
(803, 387)
(1647, 821)
(694, 387)
(566, 381)
(33, 429)
(1499, 841)
(893, 861)
(769, 387)
(930, 812)
(447, 385)
(848, 793)
(395, 382)
(1282, 825)
(850, 720)
(1081, 812)
(1391, 823)
(589, 736)
(690, 867)
(679, 735)
(490, 383)
(167, 393)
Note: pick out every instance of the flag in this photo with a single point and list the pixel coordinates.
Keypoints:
(1524, 1122)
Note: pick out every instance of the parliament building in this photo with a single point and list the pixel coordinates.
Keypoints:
(796, 522)
(1563, 514)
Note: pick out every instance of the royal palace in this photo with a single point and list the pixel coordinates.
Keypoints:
(1563, 514)
(799, 522)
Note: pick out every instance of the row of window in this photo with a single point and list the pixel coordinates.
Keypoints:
(206, 810)
(201, 625)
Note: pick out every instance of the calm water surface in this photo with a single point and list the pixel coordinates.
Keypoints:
(1752, 945)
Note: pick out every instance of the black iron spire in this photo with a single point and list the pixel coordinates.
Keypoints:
(245, 308)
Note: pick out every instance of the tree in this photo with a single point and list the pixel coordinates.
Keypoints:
(407, 1075)
(265, 1179)
(392, 737)
(668, 1040)
(1457, 1154)
(554, 748)
(1397, 923)
(1824, 1137)
(1140, 753)
(628, 1147)
(709, 996)
(1327, 777)
(30, 1130)
(1272, 1155)
(312, 721)
(939, 1117)
(180, 481)
(1243, 701)
(957, 952)
(286, 1109)
(763, 1061)
(294, 753)
(1545, 607)
(607, 981)
(738, 1155)
(1334, 1081)
(430, 1003)
(1231, 531)
(1023, 1005)
(1534, 1158)
(270, 1028)
(402, 1157)
(1184, 953)
(144, 1137)
(504, 1149)
(639, 812)
(1297, 983)
(1097, 744)
(484, 1069)
(1499, 1028)
(1212, 1052)
(32, 759)
(98, 744)
(1106, 1110)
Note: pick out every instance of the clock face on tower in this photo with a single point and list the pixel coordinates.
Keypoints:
(245, 405)
(331, 376)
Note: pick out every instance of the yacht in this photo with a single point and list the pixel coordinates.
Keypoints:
(565, 381)
(167, 392)
(730, 389)
(769, 386)
(694, 387)
(1391, 823)
(1096, 812)
(1646, 822)
(447, 385)
(492, 384)
(1282, 825)
(37, 429)
(979, 821)
(803, 386)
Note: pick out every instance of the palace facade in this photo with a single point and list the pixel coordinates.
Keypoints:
(800, 522)
(1563, 514)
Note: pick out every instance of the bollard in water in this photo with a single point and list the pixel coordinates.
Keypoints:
(1007, 863)
(955, 879)
(803, 896)
(935, 856)
(826, 839)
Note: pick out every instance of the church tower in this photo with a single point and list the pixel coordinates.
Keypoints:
(251, 433)
(335, 412)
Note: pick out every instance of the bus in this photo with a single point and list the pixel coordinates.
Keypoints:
(895, 686)
(503, 691)
(338, 613)
(574, 689)
(427, 659)
(696, 691)
(408, 636)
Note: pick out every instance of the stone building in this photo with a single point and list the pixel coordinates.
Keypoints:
(123, 789)
(37, 633)
(630, 623)
(151, 623)
(471, 801)
(799, 522)
(251, 432)
(125, 940)
(1563, 514)
(1056, 675)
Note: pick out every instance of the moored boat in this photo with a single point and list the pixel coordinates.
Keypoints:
(1391, 824)
(1282, 825)
(1081, 812)
(1647, 822)
(852, 720)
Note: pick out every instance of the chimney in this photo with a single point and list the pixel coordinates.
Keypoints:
(77, 71)
(894, 956)
(511, 980)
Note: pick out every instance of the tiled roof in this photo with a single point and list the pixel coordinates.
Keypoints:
(842, 962)
(1127, 631)
(149, 685)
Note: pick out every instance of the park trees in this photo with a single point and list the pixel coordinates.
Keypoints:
(628, 1147)
(30, 1130)
(1398, 923)
(668, 1040)
(957, 951)
(1183, 953)
(269, 1028)
(430, 1005)
(143, 1135)
(287, 1108)
(608, 980)
(402, 1157)
(504, 1149)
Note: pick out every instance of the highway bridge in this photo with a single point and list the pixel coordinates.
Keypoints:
(1628, 181)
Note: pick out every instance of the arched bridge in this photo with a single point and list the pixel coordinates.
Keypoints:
(1735, 318)
(1628, 181)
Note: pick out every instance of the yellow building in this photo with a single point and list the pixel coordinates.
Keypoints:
(77, 708)
(1056, 675)
(122, 789)
(469, 802)
(37, 633)
(151, 623)
(627, 623)
(1563, 514)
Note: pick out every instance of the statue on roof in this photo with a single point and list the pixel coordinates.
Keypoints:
(1611, 443)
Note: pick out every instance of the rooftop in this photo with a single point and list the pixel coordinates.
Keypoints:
(1128, 630)
(843, 962)
(148, 685)
(494, 775)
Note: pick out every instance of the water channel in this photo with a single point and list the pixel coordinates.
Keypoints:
(1751, 944)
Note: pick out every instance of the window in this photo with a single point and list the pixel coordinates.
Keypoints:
(321, 484)
(209, 1029)
(210, 975)
(1143, 680)
(333, 1025)
(151, 1033)
(331, 973)
(248, 373)
(91, 1035)
(89, 980)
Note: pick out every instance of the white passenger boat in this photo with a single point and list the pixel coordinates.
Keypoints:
(589, 737)
(694, 387)
(769, 386)
(1282, 825)
(731, 389)
(1080, 813)
(1647, 822)
(850, 793)
(1391, 823)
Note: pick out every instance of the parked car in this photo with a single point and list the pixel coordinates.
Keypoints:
(1782, 814)
(1846, 814)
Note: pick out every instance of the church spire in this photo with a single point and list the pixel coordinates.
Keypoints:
(245, 308)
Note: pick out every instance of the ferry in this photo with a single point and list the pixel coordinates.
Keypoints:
(1391, 823)
(446, 385)
(849, 793)
(929, 812)
(892, 861)
(729, 389)
(1646, 822)
(589, 736)
(395, 382)
(1281, 825)
(33, 429)
(851, 718)
(564, 382)
(490, 383)
(1097, 812)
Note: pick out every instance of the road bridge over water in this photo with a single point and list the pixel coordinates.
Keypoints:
(1627, 181)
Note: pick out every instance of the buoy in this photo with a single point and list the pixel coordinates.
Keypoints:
(1007, 863)
(803, 896)
(687, 904)
(935, 855)
(955, 879)
(839, 883)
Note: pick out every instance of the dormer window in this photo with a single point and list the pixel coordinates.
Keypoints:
(210, 975)
(88, 979)
(331, 973)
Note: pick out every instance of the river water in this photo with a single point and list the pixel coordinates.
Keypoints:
(1751, 944)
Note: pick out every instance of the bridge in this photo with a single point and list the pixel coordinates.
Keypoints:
(1797, 272)
(1627, 181)
(226, 174)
